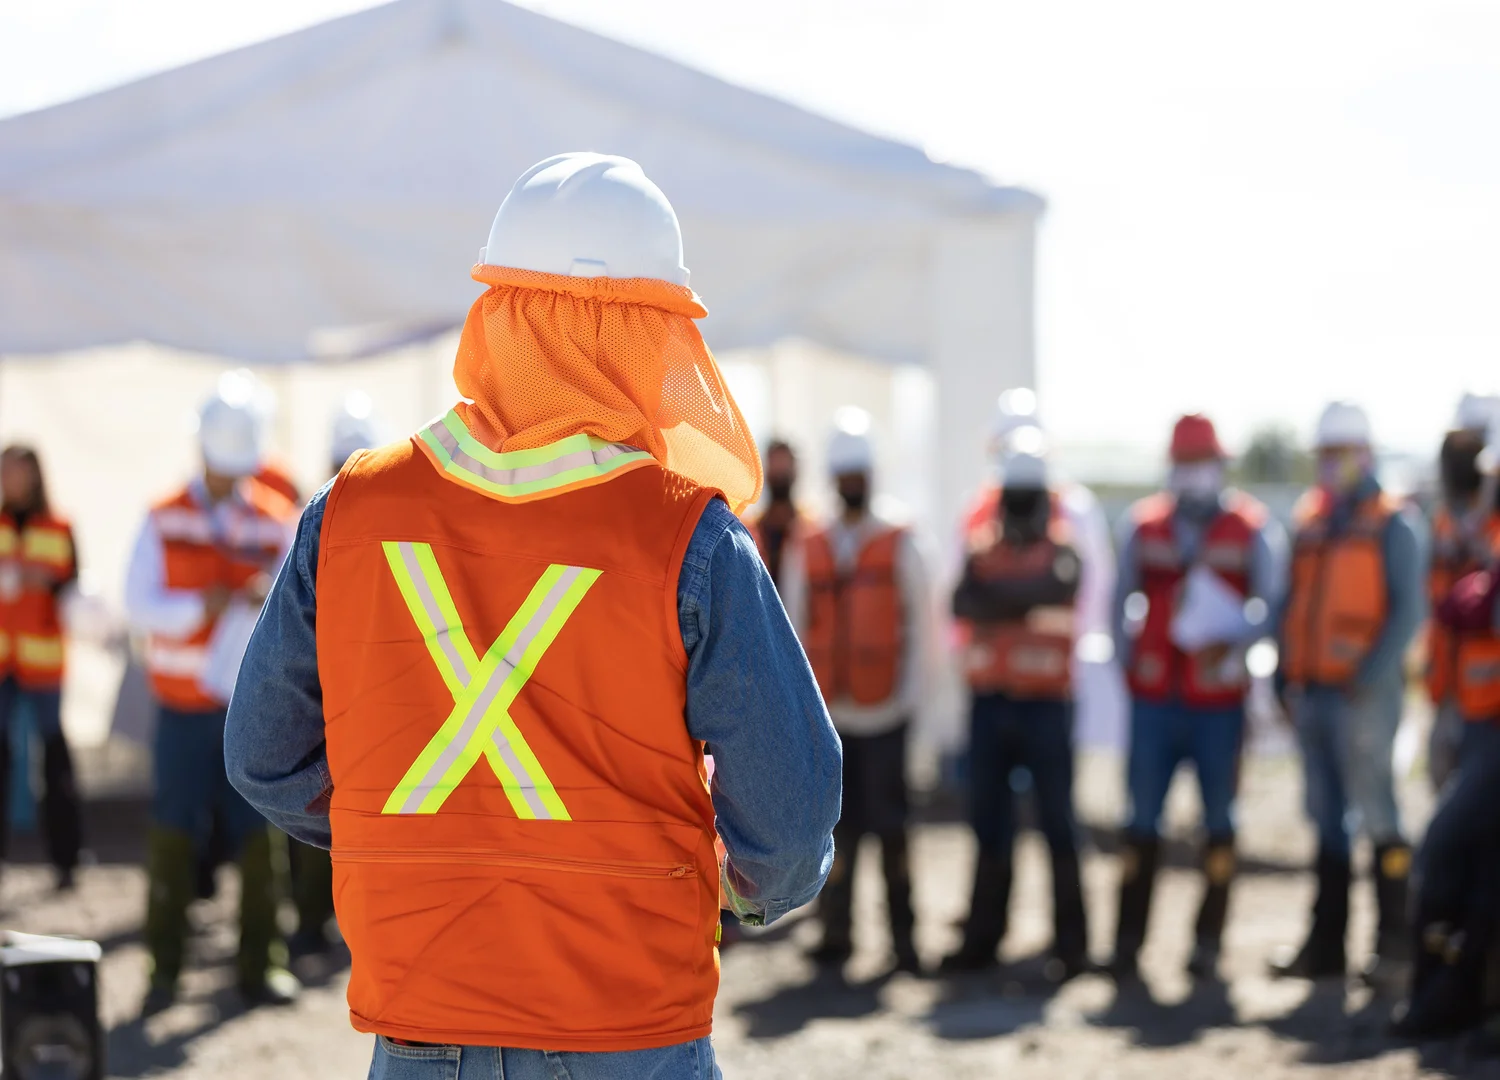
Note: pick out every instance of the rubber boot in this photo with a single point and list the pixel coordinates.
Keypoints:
(989, 908)
(263, 978)
(1138, 860)
(1070, 934)
(1447, 994)
(312, 889)
(897, 871)
(169, 873)
(60, 811)
(1218, 873)
(1389, 970)
(1322, 955)
(836, 903)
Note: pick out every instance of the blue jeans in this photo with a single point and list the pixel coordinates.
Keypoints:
(191, 783)
(60, 807)
(1346, 738)
(685, 1061)
(1163, 736)
(1457, 860)
(1008, 733)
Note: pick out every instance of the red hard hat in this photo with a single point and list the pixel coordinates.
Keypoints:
(1194, 439)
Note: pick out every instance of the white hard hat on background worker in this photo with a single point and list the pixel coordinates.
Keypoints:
(1476, 412)
(231, 426)
(1342, 423)
(849, 447)
(1023, 458)
(354, 429)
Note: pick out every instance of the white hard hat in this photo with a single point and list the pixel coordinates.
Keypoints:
(1343, 423)
(1476, 412)
(231, 425)
(849, 448)
(1015, 409)
(354, 428)
(587, 215)
(1023, 458)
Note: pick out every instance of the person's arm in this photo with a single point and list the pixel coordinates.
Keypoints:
(151, 607)
(1127, 581)
(752, 699)
(1096, 553)
(793, 584)
(1406, 598)
(1004, 599)
(914, 581)
(1268, 573)
(274, 748)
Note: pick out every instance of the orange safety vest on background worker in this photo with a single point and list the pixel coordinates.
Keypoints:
(1337, 604)
(855, 623)
(196, 557)
(562, 794)
(278, 478)
(1158, 670)
(1451, 560)
(31, 636)
(1029, 658)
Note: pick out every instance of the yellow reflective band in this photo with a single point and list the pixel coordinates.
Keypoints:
(47, 546)
(4, 646)
(483, 689)
(521, 473)
(39, 652)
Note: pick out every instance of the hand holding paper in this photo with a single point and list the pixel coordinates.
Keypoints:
(1209, 613)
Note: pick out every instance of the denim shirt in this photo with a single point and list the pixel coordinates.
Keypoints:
(751, 698)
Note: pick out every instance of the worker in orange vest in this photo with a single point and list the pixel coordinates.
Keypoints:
(1465, 536)
(489, 672)
(856, 589)
(1202, 570)
(1456, 894)
(198, 573)
(1356, 599)
(780, 524)
(1016, 604)
(38, 562)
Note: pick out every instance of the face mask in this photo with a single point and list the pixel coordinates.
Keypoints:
(854, 499)
(1200, 483)
(780, 489)
(1341, 473)
(1021, 503)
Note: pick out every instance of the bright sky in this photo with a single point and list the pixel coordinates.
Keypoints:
(1253, 208)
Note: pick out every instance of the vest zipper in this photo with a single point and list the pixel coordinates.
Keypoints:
(530, 862)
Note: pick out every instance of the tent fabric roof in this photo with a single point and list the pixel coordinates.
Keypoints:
(332, 186)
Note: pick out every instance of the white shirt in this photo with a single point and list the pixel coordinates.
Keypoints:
(918, 638)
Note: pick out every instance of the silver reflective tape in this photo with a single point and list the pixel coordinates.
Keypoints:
(526, 474)
(523, 778)
(434, 613)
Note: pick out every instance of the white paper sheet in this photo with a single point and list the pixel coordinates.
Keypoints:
(226, 649)
(1210, 612)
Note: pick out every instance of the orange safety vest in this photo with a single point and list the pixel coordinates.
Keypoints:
(198, 555)
(1029, 658)
(1451, 560)
(1158, 670)
(278, 478)
(31, 637)
(523, 840)
(1338, 603)
(855, 619)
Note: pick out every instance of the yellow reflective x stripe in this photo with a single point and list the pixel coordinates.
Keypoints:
(519, 473)
(483, 689)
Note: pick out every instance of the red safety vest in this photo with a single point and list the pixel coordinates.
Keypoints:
(856, 624)
(1451, 560)
(31, 636)
(1158, 670)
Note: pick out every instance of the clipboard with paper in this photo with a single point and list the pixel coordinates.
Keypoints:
(1209, 612)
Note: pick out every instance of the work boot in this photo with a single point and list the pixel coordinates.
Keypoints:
(897, 871)
(169, 875)
(1218, 872)
(835, 907)
(988, 916)
(1070, 935)
(1138, 859)
(1446, 993)
(263, 978)
(1389, 970)
(1322, 955)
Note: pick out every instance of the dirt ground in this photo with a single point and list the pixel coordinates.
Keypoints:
(778, 1018)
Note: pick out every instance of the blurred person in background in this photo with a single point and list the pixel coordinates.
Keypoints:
(857, 591)
(1015, 604)
(1465, 536)
(1359, 562)
(38, 562)
(1456, 886)
(780, 523)
(201, 565)
(354, 429)
(489, 671)
(1202, 570)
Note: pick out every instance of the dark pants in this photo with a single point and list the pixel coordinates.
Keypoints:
(1005, 735)
(60, 811)
(875, 803)
(192, 785)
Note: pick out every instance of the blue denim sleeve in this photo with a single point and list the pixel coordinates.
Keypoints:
(1406, 599)
(752, 698)
(273, 740)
